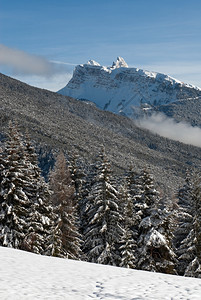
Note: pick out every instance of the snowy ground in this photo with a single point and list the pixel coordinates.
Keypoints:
(25, 275)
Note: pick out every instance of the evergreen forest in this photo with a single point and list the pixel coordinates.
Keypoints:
(84, 212)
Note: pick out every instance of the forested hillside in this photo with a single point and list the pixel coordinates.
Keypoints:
(86, 213)
(56, 122)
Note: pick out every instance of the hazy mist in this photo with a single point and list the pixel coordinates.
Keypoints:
(21, 62)
(168, 127)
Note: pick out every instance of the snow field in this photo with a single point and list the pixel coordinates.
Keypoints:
(27, 276)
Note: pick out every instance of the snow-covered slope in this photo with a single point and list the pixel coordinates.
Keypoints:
(119, 88)
(29, 276)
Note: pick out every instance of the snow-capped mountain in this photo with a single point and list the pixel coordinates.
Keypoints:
(121, 89)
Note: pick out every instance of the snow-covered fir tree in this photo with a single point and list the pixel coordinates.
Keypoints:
(190, 246)
(104, 229)
(42, 231)
(185, 203)
(77, 175)
(155, 251)
(132, 180)
(197, 223)
(25, 215)
(135, 189)
(128, 239)
(88, 180)
(81, 182)
(15, 204)
(65, 203)
(185, 213)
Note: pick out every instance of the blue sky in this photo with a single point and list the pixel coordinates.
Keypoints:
(163, 36)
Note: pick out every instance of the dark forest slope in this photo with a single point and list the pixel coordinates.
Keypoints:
(56, 121)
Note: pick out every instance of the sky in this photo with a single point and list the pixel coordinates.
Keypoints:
(42, 41)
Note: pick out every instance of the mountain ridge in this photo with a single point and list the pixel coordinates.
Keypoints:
(119, 88)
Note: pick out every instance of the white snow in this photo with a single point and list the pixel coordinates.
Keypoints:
(28, 276)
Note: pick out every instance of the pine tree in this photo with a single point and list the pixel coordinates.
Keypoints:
(15, 205)
(66, 208)
(80, 182)
(132, 180)
(184, 227)
(197, 223)
(104, 228)
(77, 176)
(87, 172)
(155, 252)
(41, 237)
(185, 203)
(190, 258)
(26, 219)
(135, 189)
(128, 239)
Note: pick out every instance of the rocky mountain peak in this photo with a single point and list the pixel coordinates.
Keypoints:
(119, 63)
(124, 90)
(92, 62)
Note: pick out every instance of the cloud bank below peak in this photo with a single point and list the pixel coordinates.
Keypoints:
(167, 127)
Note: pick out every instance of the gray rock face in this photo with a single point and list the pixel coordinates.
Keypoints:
(121, 89)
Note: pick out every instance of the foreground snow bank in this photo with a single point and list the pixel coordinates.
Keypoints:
(25, 275)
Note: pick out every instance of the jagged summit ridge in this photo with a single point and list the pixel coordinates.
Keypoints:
(92, 62)
(120, 89)
(119, 63)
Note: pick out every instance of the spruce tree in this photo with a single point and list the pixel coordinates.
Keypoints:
(132, 179)
(155, 251)
(15, 204)
(77, 175)
(84, 206)
(128, 239)
(190, 258)
(135, 189)
(184, 229)
(42, 231)
(80, 182)
(104, 230)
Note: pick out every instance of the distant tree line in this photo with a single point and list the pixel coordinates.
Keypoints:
(83, 213)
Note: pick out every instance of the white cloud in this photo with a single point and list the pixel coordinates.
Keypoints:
(168, 127)
(63, 63)
(20, 62)
(53, 83)
(34, 70)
